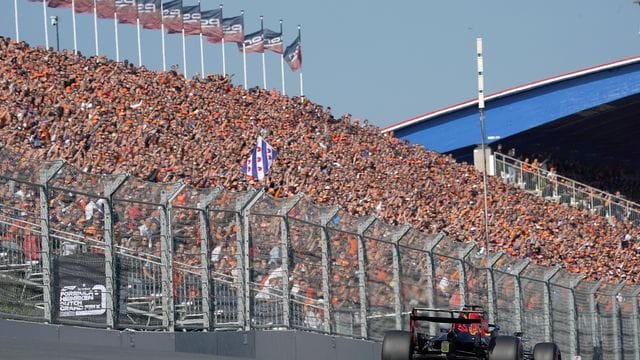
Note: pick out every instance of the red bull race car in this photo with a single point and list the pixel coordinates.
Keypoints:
(460, 334)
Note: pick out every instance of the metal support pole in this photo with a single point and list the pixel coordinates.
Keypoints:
(480, 65)
(615, 318)
(517, 299)
(15, 14)
(431, 271)
(636, 327)
(573, 318)
(284, 236)
(109, 251)
(45, 176)
(326, 289)
(397, 294)
(245, 261)
(462, 281)
(205, 260)
(166, 256)
(548, 314)
(362, 276)
(46, 24)
(491, 297)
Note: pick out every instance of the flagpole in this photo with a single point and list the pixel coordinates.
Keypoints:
(46, 24)
(15, 13)
(75, 35)
(201, 48)
(284, 92)
(115, 27)
(244, 64)
(244, 53)
(184, 53)
(301, 81)
(164, 57)
(224, 61)
(264, 67)
(95, 26)
(139, 44)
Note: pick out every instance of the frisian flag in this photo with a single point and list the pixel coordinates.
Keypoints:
(191, 19)
(172, 16)
(84, 6)
(261, 159)
(253, 43)
(150, 14)
(233, 29)
(127, 11)
(105, 9)
(293, 54)
(273, 41)
(211, 25)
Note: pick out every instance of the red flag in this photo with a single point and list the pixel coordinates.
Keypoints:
(127, 11)
(106, 9)
(84, 6)
(59, 3)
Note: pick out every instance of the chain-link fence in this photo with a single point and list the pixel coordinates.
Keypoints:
(114, 251)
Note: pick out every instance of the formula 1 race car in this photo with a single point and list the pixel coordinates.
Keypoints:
(467, 334)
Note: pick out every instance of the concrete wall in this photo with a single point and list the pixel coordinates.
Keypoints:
(259, 345)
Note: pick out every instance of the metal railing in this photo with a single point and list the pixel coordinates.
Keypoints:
(116, 252)
(564, 190)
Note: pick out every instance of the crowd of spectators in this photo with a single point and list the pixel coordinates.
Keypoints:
(105, 117)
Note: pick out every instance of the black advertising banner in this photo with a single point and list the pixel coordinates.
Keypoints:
(80, 292)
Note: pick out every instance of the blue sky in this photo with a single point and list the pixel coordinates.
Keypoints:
(385, 61)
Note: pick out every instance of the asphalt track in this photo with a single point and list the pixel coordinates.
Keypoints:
(14, 349)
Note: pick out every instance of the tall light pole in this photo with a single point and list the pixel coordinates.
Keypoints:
(482, 135)
(54, 22)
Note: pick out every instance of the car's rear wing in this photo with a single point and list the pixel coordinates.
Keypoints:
(445, 316)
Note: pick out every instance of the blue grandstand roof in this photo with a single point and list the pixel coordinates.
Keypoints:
(513, 91)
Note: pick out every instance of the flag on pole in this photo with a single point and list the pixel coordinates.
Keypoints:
(233, 29)
(59, 3)
(191, 19)
(150, 14)
(172, 16)
(211, 25)
(84, 6)
(127, 11)
(293, 54)
(253, 43)
(105, 9)
(273, 41)
(260, 161)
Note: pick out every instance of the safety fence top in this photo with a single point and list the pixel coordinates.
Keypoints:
(70, 178)
(15, 167)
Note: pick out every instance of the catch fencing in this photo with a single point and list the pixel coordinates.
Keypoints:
(117, 252)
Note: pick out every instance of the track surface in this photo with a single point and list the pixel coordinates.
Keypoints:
(12, 349)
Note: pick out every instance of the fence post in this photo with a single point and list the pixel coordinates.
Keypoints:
(462, 281)
(573, 318)
(636, 328)
(491, 298)
(396, 274)
(548, 314)
(594, 318)
(326, 289)
(362, 274)
(109, 247)
(45, 176)
(284, 236)
(517, 299)
(166, 256)
(617, 320)
(244, 291)
(205, 260)
(429, 245)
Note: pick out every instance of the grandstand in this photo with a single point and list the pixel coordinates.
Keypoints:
(122, 187)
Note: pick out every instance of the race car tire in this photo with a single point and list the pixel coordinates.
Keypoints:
(506, 348)
(546, 351)
(396, 345)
